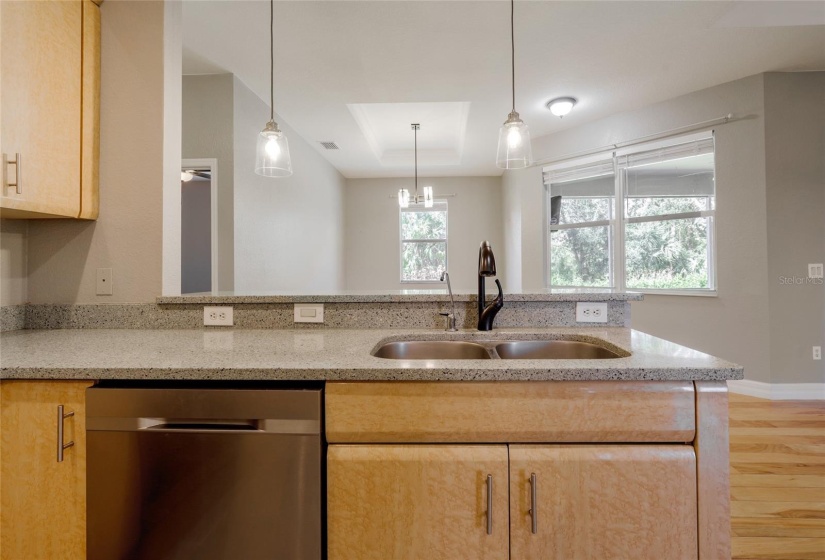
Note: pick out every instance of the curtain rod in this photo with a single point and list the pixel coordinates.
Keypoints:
(687, 128)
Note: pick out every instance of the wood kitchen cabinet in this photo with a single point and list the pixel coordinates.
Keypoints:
(42, 501)
(49, 108)
(603, 501)
(411, 502)
(624, 470)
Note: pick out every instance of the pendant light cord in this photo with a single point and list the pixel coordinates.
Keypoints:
(513, 50)
(272, 60)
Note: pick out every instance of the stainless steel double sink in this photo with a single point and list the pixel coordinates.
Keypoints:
(487, 350)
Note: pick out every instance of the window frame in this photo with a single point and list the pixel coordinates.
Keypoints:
(438, 206)
(617, 221)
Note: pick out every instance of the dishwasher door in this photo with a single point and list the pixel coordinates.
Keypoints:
(206, 474)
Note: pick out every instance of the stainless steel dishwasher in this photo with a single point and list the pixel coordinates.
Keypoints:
(203, 473)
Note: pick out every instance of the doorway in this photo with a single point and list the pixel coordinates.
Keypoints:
(199, 255)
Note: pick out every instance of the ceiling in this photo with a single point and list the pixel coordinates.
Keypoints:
(359, 72)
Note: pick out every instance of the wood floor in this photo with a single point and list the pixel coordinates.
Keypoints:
(777, 456)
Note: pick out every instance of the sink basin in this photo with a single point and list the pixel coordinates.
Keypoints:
(432, 350)
(552, 350)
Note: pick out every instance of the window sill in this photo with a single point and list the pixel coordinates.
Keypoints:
(697, 293)
(649, 292)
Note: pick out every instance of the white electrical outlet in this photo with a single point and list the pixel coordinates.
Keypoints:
(309, 313)
(104, 282)
(815, 270)
(817, 352)
(217, 316)
(591, 312)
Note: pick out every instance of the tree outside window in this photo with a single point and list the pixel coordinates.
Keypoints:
(658, 233)
(423, 242)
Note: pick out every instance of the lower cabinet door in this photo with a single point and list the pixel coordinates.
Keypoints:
(42, 501)
(635, 502)
(408, 502)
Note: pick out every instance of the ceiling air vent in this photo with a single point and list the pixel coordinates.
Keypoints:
(330, 145)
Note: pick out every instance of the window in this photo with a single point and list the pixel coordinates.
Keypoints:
(639, 219)
(423, 242)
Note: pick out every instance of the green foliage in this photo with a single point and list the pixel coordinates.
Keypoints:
(424, 225)
(423, 261)
(580, 257)
(671, 254)
(668, 254)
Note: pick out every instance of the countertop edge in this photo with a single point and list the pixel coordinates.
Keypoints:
(367, 374)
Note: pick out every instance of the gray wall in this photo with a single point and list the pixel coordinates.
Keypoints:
(207, 107)
(523, 194)
(511, 232)
(196, 237)
(795, 174)
(288, 232)
(372, 232)
(734, 325)
(63, 255)
(770, 208)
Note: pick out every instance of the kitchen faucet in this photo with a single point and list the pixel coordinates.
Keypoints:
(450, 316)
(487, 267)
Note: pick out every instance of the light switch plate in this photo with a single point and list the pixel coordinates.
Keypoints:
(591, 312)
(104, 282)
(815, 270)
(218, 316)
(309, 313)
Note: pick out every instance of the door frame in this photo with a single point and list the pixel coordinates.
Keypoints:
(212, 165)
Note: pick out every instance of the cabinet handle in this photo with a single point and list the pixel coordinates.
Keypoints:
(489, 504)
(534, 503)
(18, 178)
(61, 417)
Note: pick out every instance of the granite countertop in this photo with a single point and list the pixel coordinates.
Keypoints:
(333, 354)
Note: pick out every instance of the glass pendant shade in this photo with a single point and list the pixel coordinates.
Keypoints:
(403, 198)
(514, 148)
(272, 153)
(428, 197)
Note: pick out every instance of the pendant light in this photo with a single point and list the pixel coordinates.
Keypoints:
(514, 149)
(404, 198)
(272, 152)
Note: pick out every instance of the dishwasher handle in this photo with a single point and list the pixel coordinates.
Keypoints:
(200, 426)
(204, 425)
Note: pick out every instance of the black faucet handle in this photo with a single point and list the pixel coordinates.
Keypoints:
(499, 301)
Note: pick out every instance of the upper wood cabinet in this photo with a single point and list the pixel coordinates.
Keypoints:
(49, 108)
(411, 502)
(42, 501)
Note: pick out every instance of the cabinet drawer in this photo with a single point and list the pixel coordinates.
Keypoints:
(501, 412)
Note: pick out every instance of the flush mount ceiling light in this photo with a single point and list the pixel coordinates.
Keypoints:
(514, 149)
(272, 152)
(561, 106)
(404, 198)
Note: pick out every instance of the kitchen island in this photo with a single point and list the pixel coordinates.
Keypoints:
(461, 458)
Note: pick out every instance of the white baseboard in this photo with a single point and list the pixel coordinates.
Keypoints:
(779, 391)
